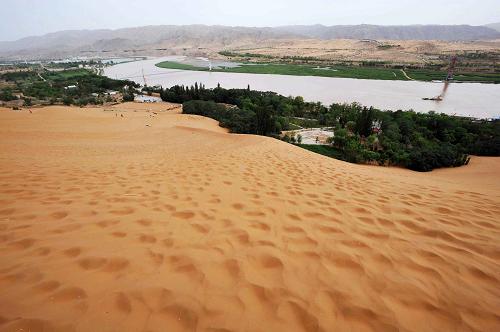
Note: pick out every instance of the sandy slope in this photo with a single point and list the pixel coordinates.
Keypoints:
(107, 224)
(404, 51)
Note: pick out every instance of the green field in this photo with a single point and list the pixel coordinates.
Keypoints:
(298, 70)
(432, 75)
(66, 74)
(337, 71)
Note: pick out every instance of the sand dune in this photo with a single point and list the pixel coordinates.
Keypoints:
(167, 223)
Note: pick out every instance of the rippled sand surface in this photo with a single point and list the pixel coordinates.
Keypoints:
(165, 222)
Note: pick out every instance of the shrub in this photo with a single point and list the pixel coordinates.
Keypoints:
(128, 96)
(67, 100)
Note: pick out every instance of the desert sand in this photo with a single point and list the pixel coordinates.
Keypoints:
(403, 51)
(166, 222)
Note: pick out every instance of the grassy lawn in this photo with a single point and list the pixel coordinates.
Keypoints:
(178, 65)
(298, 70)
(430, 75)
(338, 71)
(66, 74)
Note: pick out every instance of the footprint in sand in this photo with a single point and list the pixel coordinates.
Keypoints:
(145, 238)
(69, 294)
(59, 215)
(183, 214)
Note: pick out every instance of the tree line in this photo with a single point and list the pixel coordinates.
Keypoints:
(418, 141)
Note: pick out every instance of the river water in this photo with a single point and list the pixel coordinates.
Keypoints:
(467, 99)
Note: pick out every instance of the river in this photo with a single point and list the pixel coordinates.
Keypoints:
(466, 99)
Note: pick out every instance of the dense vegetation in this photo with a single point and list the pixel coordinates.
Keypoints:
(85, 87)
(417, 141)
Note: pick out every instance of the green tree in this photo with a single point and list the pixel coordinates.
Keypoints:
(68, 100)
(350, 126)
(340, 137)
(364, 122)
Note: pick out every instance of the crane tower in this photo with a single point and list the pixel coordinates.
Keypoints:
(451, 69)
(144, 77)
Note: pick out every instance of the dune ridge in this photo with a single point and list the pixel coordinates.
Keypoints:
(165, 222)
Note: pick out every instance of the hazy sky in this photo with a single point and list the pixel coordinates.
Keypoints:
(21, 18)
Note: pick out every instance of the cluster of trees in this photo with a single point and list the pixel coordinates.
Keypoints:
(52, 86)
(419, 141)
(7, 95)
(256, 112)
(235, 119)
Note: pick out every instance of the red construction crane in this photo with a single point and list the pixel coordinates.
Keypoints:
(449, 77)
(451, 69)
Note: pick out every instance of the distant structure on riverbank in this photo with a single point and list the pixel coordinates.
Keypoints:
(147, 99)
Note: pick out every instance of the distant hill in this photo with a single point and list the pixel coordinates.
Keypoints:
(409, 32)
(494, 26)
(77, 42)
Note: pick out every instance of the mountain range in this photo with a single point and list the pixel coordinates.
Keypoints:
(75, 42)
(494, 26)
